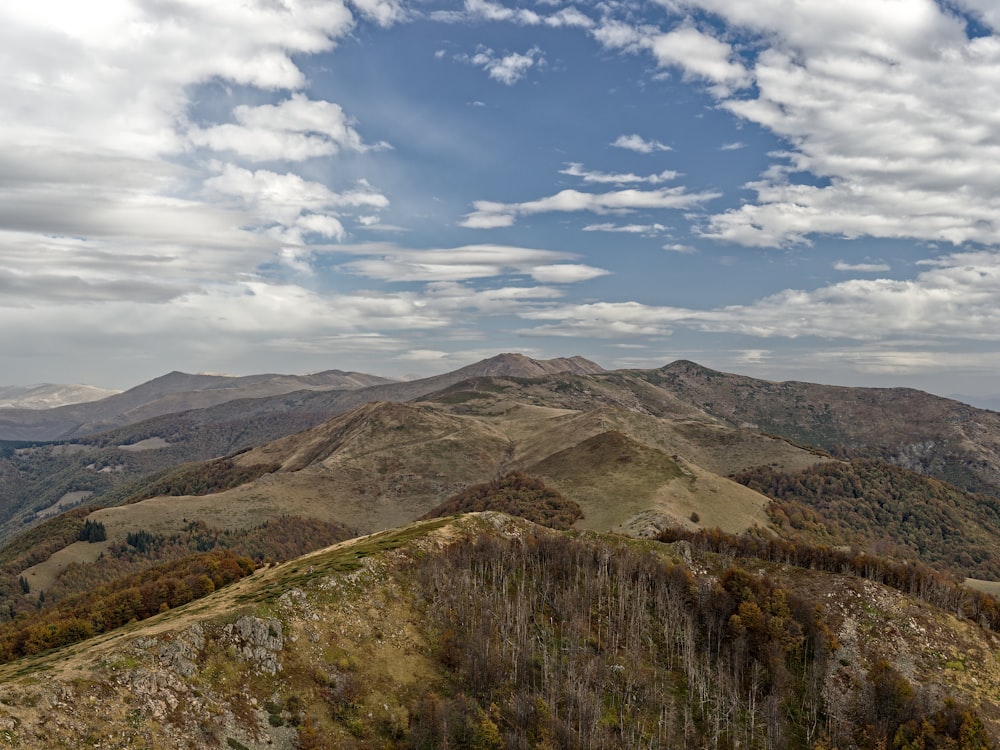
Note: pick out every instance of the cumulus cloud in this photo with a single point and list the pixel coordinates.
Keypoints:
(957, 298)
(485, 10)
(289, 203)
(569, 17)
(107, 223)
(292, 130)
(702, 56)
(639, 144)
(490, 215)
(509, 68)
(604, 320)
(699, 54)
(889, 108)
(385, 13)
(566, 273)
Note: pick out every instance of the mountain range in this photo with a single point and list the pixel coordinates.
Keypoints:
(857, 500)
(49, 396)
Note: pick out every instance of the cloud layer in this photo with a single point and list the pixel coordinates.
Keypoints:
(202, 175)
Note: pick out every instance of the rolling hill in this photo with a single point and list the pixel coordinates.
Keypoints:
(38, 478)
(797, 611)
(635, 450)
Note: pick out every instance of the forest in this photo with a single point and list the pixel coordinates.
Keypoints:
(560, 642)
(110, 606)
(887, 510)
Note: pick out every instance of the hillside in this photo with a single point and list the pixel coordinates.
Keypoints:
(385, 464)
(569, 641)
(623, 448)
(37, 478)
(937, 436)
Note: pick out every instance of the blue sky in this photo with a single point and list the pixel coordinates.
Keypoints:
(791, 189)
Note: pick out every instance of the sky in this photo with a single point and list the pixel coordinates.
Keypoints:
(788, 189)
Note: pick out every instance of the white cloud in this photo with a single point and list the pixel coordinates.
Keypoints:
(569, 17)
(489, 214)
(484, 10)
(957, 299)
(680, 248)
(985, 10)
(700, 55)
(284, 198)
(566, 273)
(105, 217)
(391, 263)
(292, 130)
(286, 206)
(575, 169)
(647, 229)
(734, 146)
(639, 144)
(385, 13)
(326, 226)
(603, 320)
(497, 12)
(507, 69)
(889, 106)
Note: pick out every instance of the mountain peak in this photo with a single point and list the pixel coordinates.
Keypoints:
(513, 364)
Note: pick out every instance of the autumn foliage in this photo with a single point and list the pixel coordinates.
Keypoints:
(887, 510)
(515, 494)
(560, 642)
(113, 605)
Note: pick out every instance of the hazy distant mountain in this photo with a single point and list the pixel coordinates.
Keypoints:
(174, 392)
(49, 396)
(238, 424)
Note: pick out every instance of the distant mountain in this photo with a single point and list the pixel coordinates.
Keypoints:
(932, 435)
(35, 480)
(174, 392)
(936, 436)
(241, 423)
(49, 396)
(383, 464)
